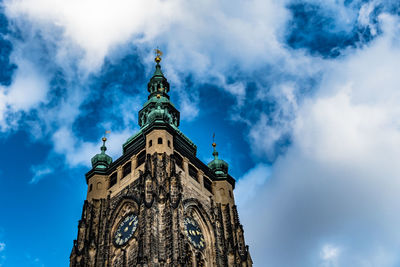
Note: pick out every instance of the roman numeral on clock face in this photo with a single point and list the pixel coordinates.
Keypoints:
(125, 229)
(194, 233)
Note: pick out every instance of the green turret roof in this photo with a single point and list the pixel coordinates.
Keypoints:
(218, 166)
(102, 160)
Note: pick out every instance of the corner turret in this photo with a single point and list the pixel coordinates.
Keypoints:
(218, 166)
(102, 161)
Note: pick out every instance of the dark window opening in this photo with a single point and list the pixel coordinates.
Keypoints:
(193, 172)
(169, 143)
(113, 179)
(141, 158)
(230, 193)
(90, 187)
(207, 184)
(178, 160)
(126, 169)
(150, 143)
(159, 141)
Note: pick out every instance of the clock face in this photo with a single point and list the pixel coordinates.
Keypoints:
(193, 232)
(125, 230)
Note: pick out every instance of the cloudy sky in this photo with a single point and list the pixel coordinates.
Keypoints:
(304, 98)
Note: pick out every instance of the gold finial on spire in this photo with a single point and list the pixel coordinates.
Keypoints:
(158, 55)
(214, 144)
(104, 139)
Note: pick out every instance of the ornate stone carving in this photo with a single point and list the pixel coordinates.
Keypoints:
(161, 203)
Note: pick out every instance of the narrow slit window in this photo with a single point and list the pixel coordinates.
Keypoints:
(90, 187)
(150, 143)
(169, 143)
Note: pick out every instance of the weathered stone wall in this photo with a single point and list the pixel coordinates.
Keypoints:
(161, 195)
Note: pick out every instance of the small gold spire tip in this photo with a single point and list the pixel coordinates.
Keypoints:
(158, 55)
(214, 144)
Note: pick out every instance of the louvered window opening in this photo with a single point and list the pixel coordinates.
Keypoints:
(207, 184)
(193, 172)
(113, 179)
(141, 158)
(178, 160)
(126, 169)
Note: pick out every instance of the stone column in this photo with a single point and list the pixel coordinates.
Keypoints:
(133, 165)
(200, 176)
(186, 167)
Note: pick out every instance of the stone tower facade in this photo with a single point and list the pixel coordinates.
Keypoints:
(158, 204)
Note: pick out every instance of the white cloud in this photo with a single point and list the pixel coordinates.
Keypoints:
(40, 172)
(329, 255)
(246, 188)
(2, 256)
(338, 183)
(198, 38)
(27, 91)
(98, 26)
(78, 152)
(232, 30)
(329, 252)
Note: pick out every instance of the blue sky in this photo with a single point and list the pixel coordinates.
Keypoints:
(302, 95)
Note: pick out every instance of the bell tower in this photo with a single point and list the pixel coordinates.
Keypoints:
(158, 204)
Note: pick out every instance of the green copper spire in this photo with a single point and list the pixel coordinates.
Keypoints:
(218, 166)
(102, 160)
(158, 85)
(158, 108)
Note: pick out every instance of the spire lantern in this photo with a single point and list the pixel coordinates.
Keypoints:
(158, 108)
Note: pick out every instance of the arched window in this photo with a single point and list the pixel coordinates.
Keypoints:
(90, 187)
(150, 143)
(169, 143)
(159, 141)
